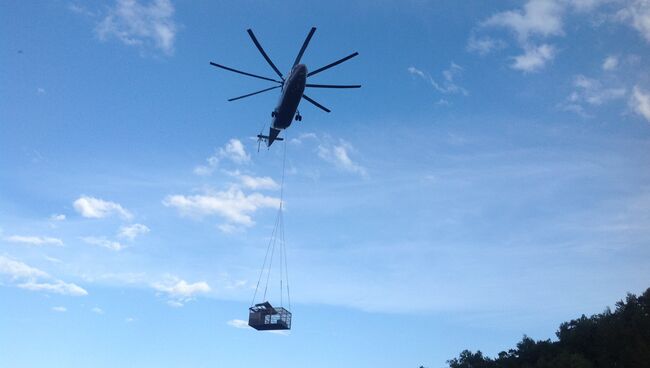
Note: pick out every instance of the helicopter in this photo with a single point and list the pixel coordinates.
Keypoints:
(292, 87)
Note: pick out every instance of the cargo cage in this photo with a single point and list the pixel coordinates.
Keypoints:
(264, 317)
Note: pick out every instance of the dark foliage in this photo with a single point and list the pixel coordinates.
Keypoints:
(619, 339)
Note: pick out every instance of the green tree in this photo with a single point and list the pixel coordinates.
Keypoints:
(618, 339)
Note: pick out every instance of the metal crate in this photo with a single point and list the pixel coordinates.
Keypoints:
(264, 317)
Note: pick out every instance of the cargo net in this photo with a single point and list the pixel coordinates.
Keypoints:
(263, 315)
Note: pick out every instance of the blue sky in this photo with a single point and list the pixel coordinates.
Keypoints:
(489, 179)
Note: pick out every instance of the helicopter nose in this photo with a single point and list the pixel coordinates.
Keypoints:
(301, 68)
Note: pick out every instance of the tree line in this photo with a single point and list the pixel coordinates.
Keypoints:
(612, 339)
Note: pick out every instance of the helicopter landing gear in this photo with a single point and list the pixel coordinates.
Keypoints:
(298, 117)
(273, 114)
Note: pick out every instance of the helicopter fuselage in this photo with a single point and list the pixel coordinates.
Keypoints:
(292, 91)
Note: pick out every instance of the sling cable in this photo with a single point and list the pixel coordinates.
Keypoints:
(263, 316)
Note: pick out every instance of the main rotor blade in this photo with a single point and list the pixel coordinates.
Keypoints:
(259, 47)
(333, 64)
(316, 104)
(254, 93)
(304, 46)
(244, 73)
(332, 86)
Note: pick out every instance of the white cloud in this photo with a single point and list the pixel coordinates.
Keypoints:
(56, 286)
(40, 91)
(132, 231)
(415, 71)
(174, 303)
(16, 269)
(640, 102)
(81, 10)
(145, 26)
(302, 137)
(637, 13)
(592, 92)
(484, 45)
(448, 85)
(180, 291)
(91, 207)
(104, 242)
(538, 20)
(256, 182)
(57, 217)
(338, 154)
(233, 205)
(202, 170)
(610, 63)
(538, 17)
(178, 288)
(238, 323)
(32, 278)
(586, 5)
(34, 240)
(574, 108)
(59, 309)
(97, 310)
(52, 259)
(234, 151)
(534, 58)
(229, 228)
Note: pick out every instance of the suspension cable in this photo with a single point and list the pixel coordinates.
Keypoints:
(268, 248)
(276, 235)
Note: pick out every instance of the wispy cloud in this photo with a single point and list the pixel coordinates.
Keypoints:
(91, 207)
(484, 45)
(637, 14)
(16, 269)
(339, 155)
(241, 324)
(34, 240)
(81, 10)
(302, 137)
(56, 286)
(57, 217)
(537, 17)
(255, 182)
(539, 20)
(147, 26)
(640, 102)
(534, 58)
(180, 291)
(590, 92)
(238, 323)
(97, 310)
(59, 309)
(448, 85)
(233, 205)
(233, 151)
(132, 231)
(610, 63)
(30, 278)
(104, 243)
(258, 182)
